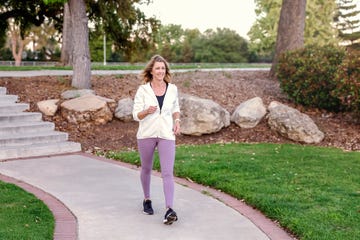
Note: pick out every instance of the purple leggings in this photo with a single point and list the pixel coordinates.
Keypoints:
(166, 149)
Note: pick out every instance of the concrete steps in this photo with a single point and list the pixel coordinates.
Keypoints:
(20, 117)
(13, 107)
(29, 138)
(8, 98)
(2, 90)
(38, 150)
(25, 127)
(24, 134)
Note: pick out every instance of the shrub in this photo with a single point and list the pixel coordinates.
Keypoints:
(307, 75)
(347, 79)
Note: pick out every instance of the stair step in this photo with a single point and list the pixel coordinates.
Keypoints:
(13, 107)
(8, 98)
(35, 150)
(20, 117)
(32, 138)
(25, 127)
(2, 90)
(24, 134)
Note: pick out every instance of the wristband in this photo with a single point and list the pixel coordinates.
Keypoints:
(177, 120)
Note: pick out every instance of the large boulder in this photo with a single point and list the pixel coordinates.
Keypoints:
(124, 109)
(110, 102)
(292, 124)
(249, 113)
(69, 94)
(48, 107)
(88, 109)
(201, 116)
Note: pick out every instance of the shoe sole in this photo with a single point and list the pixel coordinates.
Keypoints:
(170, 219)
(147, 213)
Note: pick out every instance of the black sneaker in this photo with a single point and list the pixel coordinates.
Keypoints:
(170, 217)
(147, 207)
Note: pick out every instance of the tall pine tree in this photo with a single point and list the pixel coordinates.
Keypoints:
(348, 23)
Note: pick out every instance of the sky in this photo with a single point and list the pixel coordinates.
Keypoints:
(237, 15)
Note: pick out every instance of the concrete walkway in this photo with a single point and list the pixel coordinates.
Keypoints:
(95, 198)
(106, 199)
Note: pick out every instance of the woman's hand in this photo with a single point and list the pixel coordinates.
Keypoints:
(177, 127)
(148, 111)
(151, 110)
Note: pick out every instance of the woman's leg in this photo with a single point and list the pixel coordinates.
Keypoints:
(166, 150)
(146, 150)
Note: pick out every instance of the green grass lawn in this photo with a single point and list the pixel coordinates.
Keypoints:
(141, 66)
(23, 216)
(314, 192)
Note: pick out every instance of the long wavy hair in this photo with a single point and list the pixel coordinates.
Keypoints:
(146, 73)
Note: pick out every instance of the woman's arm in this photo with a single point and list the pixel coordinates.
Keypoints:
(176, 118)
(141, 115)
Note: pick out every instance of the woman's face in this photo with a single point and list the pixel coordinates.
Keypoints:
(158, 71)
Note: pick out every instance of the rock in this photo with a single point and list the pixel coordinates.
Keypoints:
(87, 109)
(48, 107)
(69, 94)
(110, 102)
(249, 113)
(124, 110)
(293, 124)
(201, 116)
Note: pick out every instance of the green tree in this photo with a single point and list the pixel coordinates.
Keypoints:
(45, 39)
(81, 53)
(66, 43)
(176, 44)
(131, 31)
(263, 33)
(291, 27)
(126, 24)
(5, 54)
(179, 45)
(188, 52)
(26, 13)
(318, 25)
(223, 45)
(348, 23)
(18, 17)
(319, 28)
(169, 42)
(96, 42)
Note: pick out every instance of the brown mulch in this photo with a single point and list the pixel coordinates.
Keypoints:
(228, 88)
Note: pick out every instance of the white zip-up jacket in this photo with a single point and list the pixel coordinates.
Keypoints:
(160, 123)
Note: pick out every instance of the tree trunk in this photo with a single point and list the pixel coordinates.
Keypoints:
(17, 47)
(66, 48)
(81, 54)
(291, 28)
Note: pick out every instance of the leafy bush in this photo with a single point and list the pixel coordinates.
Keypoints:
(307, 75)
(347, 78)
(5, 54)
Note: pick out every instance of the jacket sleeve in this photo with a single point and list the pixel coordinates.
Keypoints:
(138, 103)
(176, 107)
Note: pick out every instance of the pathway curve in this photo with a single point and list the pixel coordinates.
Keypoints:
(95, 198)
(105, 196)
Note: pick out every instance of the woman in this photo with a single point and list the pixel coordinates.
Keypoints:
(156, 107)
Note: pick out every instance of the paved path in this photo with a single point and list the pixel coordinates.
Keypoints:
(94, 198)
(109, 72)
(105, 197)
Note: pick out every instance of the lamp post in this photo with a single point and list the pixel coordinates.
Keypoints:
(104, 49)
